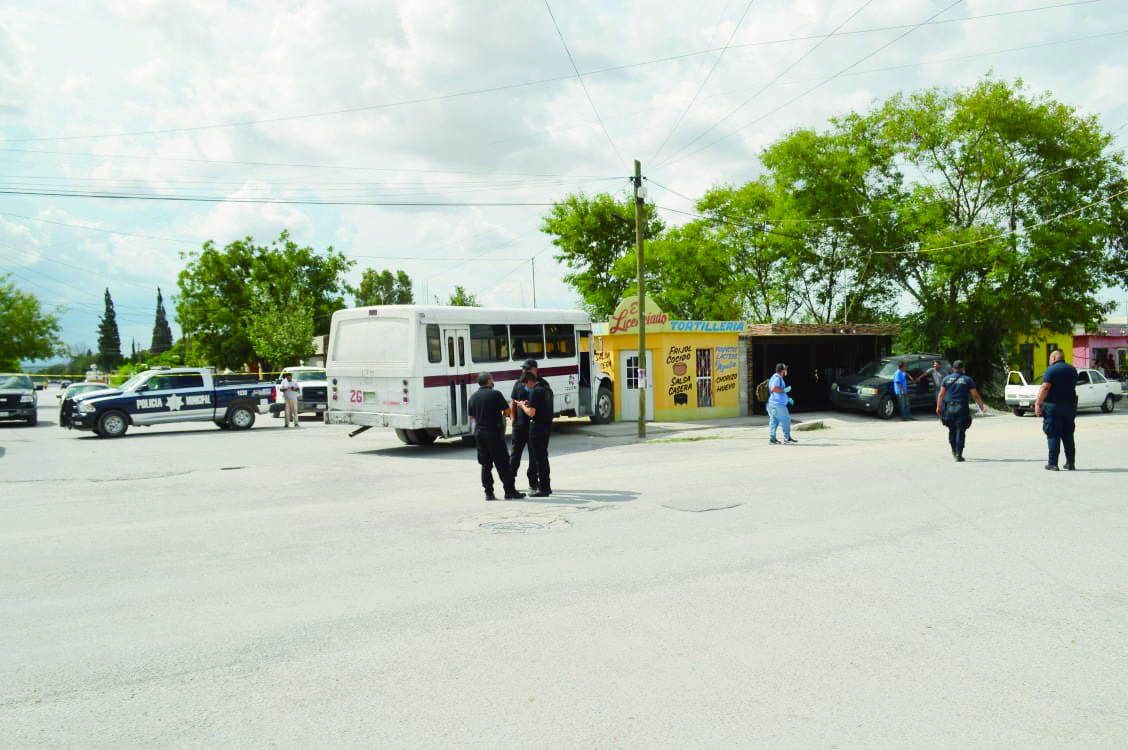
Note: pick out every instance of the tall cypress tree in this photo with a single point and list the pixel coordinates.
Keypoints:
(162, 334)
(109, 341)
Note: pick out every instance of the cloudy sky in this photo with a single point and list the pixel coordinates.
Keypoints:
(429, 135)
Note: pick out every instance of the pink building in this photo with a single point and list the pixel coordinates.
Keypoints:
(1106, 348)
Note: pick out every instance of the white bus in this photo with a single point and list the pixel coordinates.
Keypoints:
(414, 367)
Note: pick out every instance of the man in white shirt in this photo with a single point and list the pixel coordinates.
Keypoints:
(290, 392)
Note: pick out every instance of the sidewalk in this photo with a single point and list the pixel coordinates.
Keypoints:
(800, 422)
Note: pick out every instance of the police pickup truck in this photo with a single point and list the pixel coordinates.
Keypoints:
(168, 396)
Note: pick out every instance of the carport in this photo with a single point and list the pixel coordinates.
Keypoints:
(816, 354)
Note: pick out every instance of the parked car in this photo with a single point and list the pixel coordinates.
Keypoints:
(18, 399)
(67, 397)
(871, 388)
(313, 394)
(1094, 390)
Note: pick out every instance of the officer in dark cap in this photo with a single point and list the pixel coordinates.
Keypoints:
(488, 408)
(522, 424)
(953, 408)
(537, 407)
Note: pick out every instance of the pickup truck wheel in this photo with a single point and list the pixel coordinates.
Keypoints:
(1109, 404)
(220, 424)
(604, 410)
(240, 418)
(34, 419)
(886, 408)
(112, 424)
(407, 437)
(1019, 411)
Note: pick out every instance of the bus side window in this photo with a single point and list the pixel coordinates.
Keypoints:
(528, 341)
(434, 344)
(560, 338)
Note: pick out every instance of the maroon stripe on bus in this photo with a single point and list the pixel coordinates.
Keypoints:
(438, 381)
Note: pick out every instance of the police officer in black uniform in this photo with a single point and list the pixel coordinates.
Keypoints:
(1057, 406)
(953, 408)
(488, 408)
(537, 407)
(522, 424)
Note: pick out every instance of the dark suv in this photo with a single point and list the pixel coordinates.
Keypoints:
(18, 399)
(871, 389)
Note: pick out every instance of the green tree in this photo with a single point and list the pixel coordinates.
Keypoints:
(282, 333)
(162, 334)
(26, 332)
(462, 298)
(109, 340)
(222, 290)
(384, 288)
(594, 236)
(996, 212)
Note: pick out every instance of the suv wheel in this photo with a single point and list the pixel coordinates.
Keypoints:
(886, 409)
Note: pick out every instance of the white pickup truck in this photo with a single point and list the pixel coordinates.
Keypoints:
(1093, 390)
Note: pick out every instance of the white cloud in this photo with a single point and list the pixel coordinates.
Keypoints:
(402, 67)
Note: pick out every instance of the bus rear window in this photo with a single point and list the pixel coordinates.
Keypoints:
(489, 343)
(528, 341)
(372, 340)
(560, 338)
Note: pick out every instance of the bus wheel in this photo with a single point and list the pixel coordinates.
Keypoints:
(604, 410)
(423, 437)
(407, 437)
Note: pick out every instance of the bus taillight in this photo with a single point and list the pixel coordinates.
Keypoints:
(405, 398)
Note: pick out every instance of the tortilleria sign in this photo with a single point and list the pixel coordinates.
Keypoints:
(626, 318)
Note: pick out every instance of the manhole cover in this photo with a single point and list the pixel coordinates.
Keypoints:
(509, 527)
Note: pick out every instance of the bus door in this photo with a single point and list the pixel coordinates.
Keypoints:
(456, 344)
(583, 353)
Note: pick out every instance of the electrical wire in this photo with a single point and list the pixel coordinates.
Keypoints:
(818, 85)
(697, 93)
(772, 82)
(583, 85)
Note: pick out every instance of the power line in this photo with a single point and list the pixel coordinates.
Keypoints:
(526, 84)
(97, 229)
(697, 93)
(583, 85)
(780, 75)
(262, 201)
(818, 85)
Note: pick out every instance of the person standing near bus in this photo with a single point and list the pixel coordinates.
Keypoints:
(488, 408)
(290, 392)
(522, 424)
(538, 409)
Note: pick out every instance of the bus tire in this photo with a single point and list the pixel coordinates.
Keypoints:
(112, 424)
(407, 437)
(240, 417)
(423, 437)
(604, 407)
(469, 440)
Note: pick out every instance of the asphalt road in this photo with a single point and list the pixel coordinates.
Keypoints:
(190, 587)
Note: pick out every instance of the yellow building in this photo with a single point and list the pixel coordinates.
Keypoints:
(1031, 352)
(691, 369)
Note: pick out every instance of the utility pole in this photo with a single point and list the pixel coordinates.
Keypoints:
(533, 263)
(640, 197)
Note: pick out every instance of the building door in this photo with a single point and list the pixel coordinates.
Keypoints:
(629, 383)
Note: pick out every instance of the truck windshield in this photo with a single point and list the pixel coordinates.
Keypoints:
(133, 381)
(302, 377)
(15, 381)
(881, 368)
